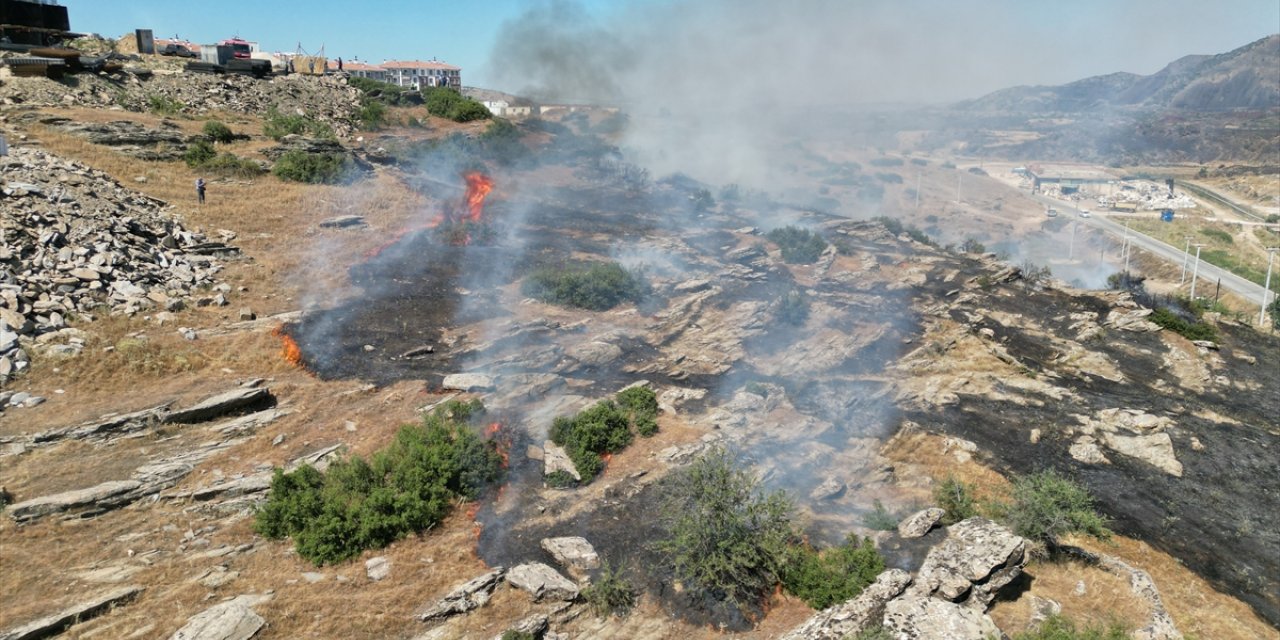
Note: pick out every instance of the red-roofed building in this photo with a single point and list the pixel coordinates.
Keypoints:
(415, 74)
(360, 69)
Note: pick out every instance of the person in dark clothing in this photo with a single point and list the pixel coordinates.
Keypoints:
(339, 64)
(200, 190)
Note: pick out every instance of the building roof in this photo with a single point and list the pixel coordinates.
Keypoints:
(418, 64)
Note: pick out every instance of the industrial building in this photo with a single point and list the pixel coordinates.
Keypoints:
(31, 22)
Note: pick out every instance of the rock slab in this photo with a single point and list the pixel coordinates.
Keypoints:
(464, 597)
(854, 616)
(541, 581)
(59, 622)
(920, 522)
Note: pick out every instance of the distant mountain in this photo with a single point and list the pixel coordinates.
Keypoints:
(1246, 78)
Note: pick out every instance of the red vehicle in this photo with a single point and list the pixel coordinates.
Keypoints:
(239, 48)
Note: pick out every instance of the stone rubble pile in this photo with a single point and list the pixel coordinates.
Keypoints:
(327, 99)
(72, 240)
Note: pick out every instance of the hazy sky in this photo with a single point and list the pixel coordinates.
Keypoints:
(975, 46)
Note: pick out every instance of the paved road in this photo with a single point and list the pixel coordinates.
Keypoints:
(1209, 274)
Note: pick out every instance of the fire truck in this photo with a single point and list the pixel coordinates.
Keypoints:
(239, 48)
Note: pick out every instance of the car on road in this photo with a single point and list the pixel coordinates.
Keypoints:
(1084, 213)
(179, 50)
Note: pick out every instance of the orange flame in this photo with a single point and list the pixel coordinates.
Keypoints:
(289, 349)
(478, 187)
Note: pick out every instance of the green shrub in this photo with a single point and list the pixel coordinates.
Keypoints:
(407, 487)
(833, 575)
(1047, 506)
(1056, 627)
(229, 165)
(164, 105)
(895, 226)
(607, 426)
(199, 152)
(793, 308)
(956, 498)
(446, 103)
(799, 246)
(971, 245)
(725, 539)
(1219, 235)
(1190, 330)
(512, 634)
(278, 125)
(879, 518)
(218, 132)
(313, 168)
(873, 633)
(386, 93)
(372, 115)
(610, 594)
(596, 287)
(559, 479)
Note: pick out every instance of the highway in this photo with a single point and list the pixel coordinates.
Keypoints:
(1209, 274)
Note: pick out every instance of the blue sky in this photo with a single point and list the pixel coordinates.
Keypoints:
(1073, 39)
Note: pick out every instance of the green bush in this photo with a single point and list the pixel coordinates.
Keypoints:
(405, 488)
(512, 634)
(218, 132)
(229, 165)
(610, 594)
(1219, 235)
(1056, 627)
(873, 633)
(793, 308)
(725, 539)
(895, 226)
(607, 426)
(313, 168)
(1196, 330)
(164, 105)
(386, 93)
(372, 115)
(971, 245)
(956, 498)
(199, 152)
(799, 246)
(879, 518)
(447, 103)
(833, 575)
(1047, 506)
(596, 287)
(278, 125)
(559, 479)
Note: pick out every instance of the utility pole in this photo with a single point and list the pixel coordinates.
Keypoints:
(1186, 253)
(1266, 288)
(1071, 253)
(1126, 249)
(1195, 273)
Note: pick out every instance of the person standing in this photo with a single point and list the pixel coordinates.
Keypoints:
(200, 190)
(339, 64)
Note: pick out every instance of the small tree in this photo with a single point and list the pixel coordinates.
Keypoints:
(218, 132)
(793, 308)
(956, 498)
(1047, 506)
(199, 152)
(610, 593)
(726, 539)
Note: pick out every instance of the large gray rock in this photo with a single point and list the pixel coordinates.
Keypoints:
(464, 597)
(852, 617)
(230, 620)
(541, 581)
(94, 499)
(57, 623)
(919, 618)
(555, 458)
(976, 560)
(920, 522)
(468, 382)
(572, 552)
(220, 405)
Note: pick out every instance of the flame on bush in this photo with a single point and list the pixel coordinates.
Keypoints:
(289, 349)
(478, 187)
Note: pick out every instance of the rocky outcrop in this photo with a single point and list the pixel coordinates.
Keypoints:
(914, 617)
(220, 405)
(465, 597)
(541, 581)
(862, 612)
(74, 239)
(57, 623)
(920, 522)
(231, 620)
(976, 560)
(572, 552)
(1160, 625)
(167, 142)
